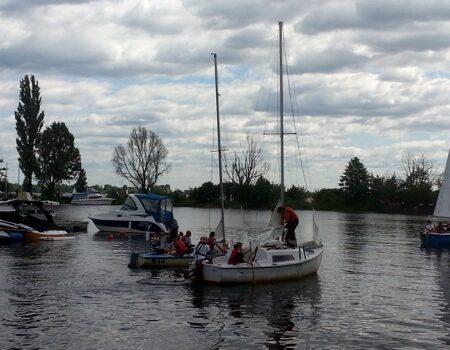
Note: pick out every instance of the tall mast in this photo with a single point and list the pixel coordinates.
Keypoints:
(220, 148)
(280, 42)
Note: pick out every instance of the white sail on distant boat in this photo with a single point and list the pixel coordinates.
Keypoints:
(441, 213)
(271, 259)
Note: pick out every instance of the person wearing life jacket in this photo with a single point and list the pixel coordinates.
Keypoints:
(201, 252)
(290, 219)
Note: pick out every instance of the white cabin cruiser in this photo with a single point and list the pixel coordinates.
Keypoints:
(141, 213)
(90, 197)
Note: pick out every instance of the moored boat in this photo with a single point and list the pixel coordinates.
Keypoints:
(90, 197)
(31, 213)
(10, 231)
(140, 213)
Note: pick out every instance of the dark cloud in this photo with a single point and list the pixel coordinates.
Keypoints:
(382, 15)
(327, 61)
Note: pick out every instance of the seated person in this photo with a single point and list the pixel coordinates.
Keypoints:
(237, 257)
(429, 227)
(188, 242)
(155, 240)
(180, 247)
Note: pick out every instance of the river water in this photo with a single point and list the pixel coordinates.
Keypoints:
(375, 289)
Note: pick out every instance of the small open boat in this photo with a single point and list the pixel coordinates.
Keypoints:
(156, 259)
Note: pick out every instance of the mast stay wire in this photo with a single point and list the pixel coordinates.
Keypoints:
(291, 89)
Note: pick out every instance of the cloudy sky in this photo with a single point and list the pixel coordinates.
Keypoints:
(369, 79)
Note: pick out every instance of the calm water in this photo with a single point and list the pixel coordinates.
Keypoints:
(375, 289)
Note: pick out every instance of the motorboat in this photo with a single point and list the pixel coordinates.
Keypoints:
(31, 213)
(140, 213)
(90, 197)
(10, 231)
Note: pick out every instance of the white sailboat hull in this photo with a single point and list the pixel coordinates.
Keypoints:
(306, 262)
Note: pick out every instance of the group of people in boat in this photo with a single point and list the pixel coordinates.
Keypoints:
(439, 228)
(209, 247)
(179, 243)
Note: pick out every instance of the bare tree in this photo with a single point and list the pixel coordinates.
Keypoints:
(418, 171)
(247, 167)
(143, 160)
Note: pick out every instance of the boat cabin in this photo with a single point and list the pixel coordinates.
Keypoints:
(89, 194)
(160, 207)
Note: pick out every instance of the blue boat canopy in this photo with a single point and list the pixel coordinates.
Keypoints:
(150, 196)
(160, 207)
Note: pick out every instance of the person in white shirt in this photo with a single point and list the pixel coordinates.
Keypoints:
(201, 253)
(429, 227)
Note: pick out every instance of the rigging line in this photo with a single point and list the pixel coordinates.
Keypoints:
(212, 171)
(265, 81)
(293, 118)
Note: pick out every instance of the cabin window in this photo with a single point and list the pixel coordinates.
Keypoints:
(128, 205)
(282, 258)
(150, 205)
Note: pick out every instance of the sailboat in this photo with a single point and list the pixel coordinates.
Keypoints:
(271, 260)
(434, 237)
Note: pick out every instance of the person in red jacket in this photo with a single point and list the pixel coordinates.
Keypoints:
(236, 256)
(290, 219)
(180, 247)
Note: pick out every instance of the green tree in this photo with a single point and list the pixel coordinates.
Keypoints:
(58, 158)
(296, 197)
(328, 199)
(143, 160)
(384, 187)
(3, 178)
(355, 183)
(81, 184)
(205, 195)
(29, 122)
(419, 179)
(263, 194)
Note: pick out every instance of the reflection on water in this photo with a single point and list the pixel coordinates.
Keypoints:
(375, 289)
(272, 315)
